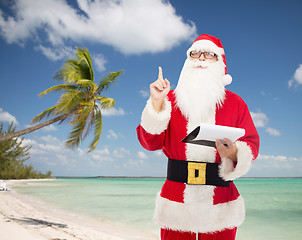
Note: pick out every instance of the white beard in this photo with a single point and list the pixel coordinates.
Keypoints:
(200, 91)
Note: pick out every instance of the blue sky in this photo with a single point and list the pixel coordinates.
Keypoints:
(263, 49)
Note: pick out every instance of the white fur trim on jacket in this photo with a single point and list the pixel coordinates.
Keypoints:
(156, 122)
(227, 169)
(199, 217)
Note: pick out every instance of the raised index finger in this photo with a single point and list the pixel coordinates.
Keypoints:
(160, 73)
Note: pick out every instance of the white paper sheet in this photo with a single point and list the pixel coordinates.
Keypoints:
(214, 132)
(207, 134)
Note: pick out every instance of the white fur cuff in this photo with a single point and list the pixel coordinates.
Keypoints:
(227, 171)
(156, 122)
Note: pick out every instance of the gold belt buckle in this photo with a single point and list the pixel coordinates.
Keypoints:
(196, 173)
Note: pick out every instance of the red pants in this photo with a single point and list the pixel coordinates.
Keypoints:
(228, 234)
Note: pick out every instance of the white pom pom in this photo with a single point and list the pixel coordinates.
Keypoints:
(227, 79)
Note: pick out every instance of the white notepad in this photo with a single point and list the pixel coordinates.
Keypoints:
(207, 134)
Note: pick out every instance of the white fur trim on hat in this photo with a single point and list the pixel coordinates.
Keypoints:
(156, 122)
(228, 171)
(205, 45)
(198, 217)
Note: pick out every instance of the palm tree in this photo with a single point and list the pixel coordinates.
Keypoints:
(80, 104)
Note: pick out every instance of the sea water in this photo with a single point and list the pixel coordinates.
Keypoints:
(273, 205)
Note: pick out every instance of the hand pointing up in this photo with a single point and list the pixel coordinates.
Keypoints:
(159, 90)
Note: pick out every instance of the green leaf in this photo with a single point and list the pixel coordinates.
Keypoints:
(107, 102)
(84, 83)
(49, 112)
(70, 101)
(85, 59)
(70, 72)
(108, 80)
(75, 136)
(57, 88)
(98, 124)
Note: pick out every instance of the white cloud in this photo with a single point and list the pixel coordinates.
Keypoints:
(112, 135)
(134, 163)
(260, 119)
(49, 128)
(63, 159)
(100, 156)
(144, 93)
(104, 151)
(45, 145)
(113, 112)
(273, 132)
(158, 153)
(276, 166)
(50, 139)
(7, 117)
(269, 95)
(57, 53)
(130, 26)
(142, 155)
(121, 153)
(280, 162)
(100, 61)
(50, 153)
(297, 79)
(279, 158)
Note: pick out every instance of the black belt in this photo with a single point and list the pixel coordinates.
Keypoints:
(200, 173)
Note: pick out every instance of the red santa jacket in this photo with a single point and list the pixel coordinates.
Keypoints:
(199, 208)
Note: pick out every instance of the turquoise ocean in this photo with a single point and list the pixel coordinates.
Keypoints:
(273, 205)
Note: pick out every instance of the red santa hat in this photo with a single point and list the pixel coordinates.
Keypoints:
(210, 43)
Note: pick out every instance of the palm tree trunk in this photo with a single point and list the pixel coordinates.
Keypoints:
(33, 128)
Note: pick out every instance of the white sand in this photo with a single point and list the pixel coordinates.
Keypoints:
(23, 218)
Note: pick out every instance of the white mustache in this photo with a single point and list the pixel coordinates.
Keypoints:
(203, 64)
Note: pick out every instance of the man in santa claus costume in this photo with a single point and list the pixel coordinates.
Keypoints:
(186, 208)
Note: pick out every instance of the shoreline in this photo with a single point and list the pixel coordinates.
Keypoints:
(23, 217)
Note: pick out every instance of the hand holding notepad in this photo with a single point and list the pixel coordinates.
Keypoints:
(207, 134)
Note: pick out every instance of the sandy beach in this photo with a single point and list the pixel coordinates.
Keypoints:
(26, 219)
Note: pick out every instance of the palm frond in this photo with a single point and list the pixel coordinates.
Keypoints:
(70, 72)
(86, 103)
(69, 101)
(83, 113)
(85, 83)
(107, 102)
(49, 112)
(57, 88)
(84, 56)
(108, 80)
(98, 124)
(81, 127)
(75, 136)
(90, 120)
(79, 67)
